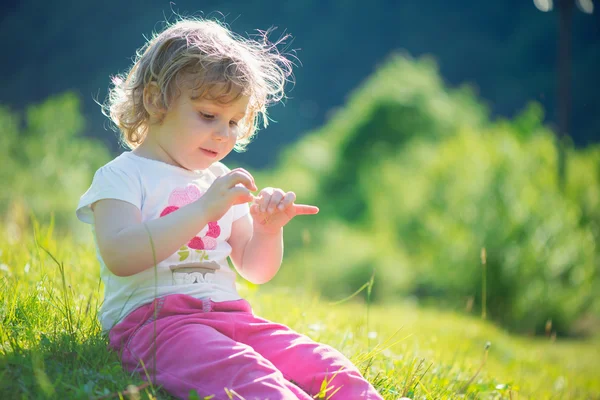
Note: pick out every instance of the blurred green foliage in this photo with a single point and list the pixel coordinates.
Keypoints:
(506, 48)
(46, 164)
(413, 180)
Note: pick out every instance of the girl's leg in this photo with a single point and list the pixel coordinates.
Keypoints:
(305, 361)
(193, 352)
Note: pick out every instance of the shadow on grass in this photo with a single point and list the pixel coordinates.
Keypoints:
(58, 367)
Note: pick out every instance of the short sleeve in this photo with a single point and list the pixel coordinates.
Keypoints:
(110, 183)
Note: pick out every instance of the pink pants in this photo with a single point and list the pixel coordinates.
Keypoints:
(213, 348)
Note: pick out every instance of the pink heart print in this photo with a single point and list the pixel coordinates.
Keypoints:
(209, 243)
(183, 196)
(168, 210)
(196, 243)
(205, 243)
(214, 230)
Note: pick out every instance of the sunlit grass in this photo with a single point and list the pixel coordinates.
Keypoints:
(51, 345)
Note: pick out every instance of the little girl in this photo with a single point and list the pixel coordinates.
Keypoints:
(167, 215)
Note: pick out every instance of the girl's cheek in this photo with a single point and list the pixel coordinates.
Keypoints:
(232, 142)
(202, 121)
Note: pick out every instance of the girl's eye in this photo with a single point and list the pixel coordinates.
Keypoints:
(206, 116)
(211, 117)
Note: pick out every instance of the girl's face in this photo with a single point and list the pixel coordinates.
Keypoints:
(195, 133)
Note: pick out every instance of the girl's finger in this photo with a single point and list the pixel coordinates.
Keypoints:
(261, 201)
(288, 200)
(254, 209)
(275, 199)
(241, 195)
(303, 209)
(263, 198)
(258, 216)
(244, 172)
(240, 176)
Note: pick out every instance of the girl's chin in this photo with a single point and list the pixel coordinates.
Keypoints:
(203, 164)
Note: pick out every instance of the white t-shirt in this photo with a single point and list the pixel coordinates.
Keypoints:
(199, 268)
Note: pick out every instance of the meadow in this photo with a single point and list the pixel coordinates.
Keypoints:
(451, 258)
(51, 345)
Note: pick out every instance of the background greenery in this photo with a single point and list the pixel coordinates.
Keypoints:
(443, 202)
(506, 49)
(414, 182)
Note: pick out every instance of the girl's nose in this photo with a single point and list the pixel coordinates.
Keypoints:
(221, 133)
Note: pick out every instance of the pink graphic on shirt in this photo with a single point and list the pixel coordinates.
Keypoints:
(168, 210)
(184, 196)
(196, 243)
(209, 243)
(214, 230)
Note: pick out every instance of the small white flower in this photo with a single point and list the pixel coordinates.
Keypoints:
(560, 383)
(26, 268)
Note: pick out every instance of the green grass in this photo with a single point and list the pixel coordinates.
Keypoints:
(51, 346)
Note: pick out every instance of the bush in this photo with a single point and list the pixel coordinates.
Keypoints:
(497, 193)
(420, 181)
(46, 164)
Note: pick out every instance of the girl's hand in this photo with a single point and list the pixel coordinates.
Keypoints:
(227, 190)
(273, 209)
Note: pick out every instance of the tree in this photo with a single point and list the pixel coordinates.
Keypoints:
(565, 15)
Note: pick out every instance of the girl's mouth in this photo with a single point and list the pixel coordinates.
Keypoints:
(209, 153)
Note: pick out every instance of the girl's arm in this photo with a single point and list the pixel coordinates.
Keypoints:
(257, 256)
(124, 241)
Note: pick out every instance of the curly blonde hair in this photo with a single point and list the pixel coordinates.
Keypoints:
(216, 62)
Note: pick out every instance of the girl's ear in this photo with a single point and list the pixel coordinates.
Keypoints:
(153, 102)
